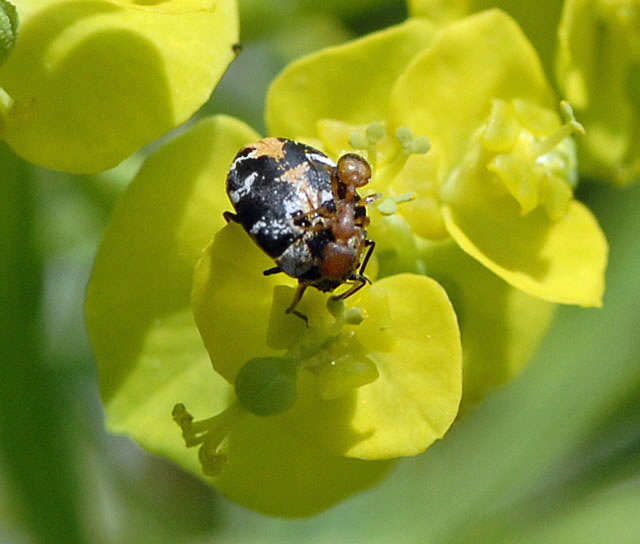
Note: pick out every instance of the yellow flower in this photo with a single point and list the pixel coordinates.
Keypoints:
(592, 48)
(499, 176)
(317, 411)
(378, 379)
(497, 181)
(384, 383)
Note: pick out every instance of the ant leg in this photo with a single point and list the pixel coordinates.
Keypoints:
(296, 298)
(371, 245)
(371, 198)
(307, 220)
(359, 283)
(230, 216)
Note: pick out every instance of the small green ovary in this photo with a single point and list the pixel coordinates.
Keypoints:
(266, 386)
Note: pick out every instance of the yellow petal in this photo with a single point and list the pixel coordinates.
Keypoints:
(94, 81)
(271, 471)
(416, 396)
(559, 261)
(350, 82)
(138, 311)
(446, 92)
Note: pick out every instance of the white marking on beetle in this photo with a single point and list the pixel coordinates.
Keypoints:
(240, 192)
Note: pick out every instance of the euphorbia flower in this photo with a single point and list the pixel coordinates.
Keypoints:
(501, 169)
(374, 380)
(314, 411)
(498, 179)
(593, 48)
(377, 380)
(89, 83)
(506, 168)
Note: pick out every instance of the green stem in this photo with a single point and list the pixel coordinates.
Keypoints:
(36, 449)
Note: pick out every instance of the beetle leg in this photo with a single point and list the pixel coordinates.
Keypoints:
(271, 271)
(230, 216)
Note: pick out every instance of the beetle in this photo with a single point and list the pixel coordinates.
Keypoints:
(304, 211)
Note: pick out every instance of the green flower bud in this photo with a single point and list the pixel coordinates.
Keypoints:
(8, 29)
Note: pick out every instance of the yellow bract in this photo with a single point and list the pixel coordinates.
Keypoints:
(559, 261)
(409, 339)
(92, 82)
(350, 82)
(272, 471)
(138, 312)
(416, 396)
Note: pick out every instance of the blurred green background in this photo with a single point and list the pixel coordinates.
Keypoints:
(552, 458)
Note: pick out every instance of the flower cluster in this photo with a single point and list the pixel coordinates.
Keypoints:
(594, 58)
(477, 169)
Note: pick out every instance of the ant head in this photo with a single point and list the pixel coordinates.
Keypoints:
(352, 171)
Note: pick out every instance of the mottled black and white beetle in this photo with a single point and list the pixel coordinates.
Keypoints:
(303, 210)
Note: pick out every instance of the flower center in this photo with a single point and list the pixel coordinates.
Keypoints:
(403, 173)
(267, 386)
(532, 157)
(328, 347)
(386, 154)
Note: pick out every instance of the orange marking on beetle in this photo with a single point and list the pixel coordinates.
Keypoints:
(294, 175)
(269, 147)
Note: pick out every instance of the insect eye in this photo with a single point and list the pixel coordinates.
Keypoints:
(300, 219)
(352, 170)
